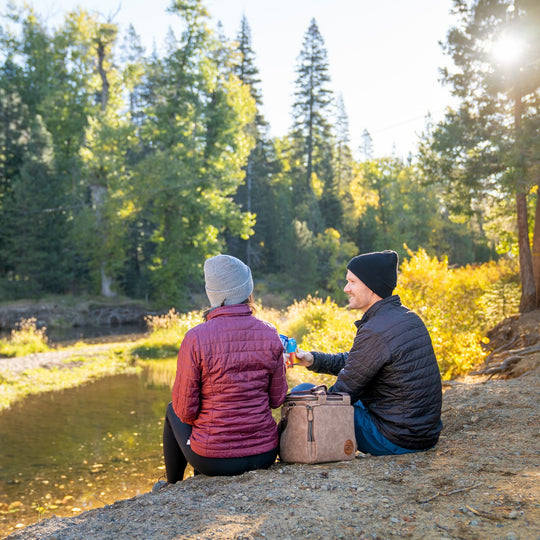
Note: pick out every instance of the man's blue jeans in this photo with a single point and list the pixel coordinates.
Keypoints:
(368, 438)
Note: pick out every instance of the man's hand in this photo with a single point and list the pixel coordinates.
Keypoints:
(303, 358)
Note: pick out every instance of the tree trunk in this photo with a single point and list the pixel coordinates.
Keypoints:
(99, 193)
(309, 169)
(248, 208)
(103, 75)
(536, 247)
(528, 290)
(106, 283)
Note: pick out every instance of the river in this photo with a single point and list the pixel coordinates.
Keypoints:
(66, 452)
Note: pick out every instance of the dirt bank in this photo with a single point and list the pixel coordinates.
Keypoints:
(481, 481)
(71, 312)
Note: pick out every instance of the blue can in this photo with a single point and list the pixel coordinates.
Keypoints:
(291, 345)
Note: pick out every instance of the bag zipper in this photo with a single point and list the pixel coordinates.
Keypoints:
(310, 422)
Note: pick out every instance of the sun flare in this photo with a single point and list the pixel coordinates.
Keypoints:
(508, 49)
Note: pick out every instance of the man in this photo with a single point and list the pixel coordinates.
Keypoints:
(391, 372)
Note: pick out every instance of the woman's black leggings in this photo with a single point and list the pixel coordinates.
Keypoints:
(178, 453)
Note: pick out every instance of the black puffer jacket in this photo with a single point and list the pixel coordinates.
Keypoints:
(392, 369)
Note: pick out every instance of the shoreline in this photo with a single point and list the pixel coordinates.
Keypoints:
(61, 369)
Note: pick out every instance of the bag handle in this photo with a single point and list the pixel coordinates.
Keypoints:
(321, 393)
(315, 391)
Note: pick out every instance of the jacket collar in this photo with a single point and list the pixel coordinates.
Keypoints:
(235, 310)
(394, 299)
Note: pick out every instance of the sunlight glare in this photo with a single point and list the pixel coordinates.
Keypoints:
(508, 49)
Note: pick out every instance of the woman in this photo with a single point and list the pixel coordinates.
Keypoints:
(230, 374)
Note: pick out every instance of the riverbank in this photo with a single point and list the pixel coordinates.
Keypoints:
(481, 481)
(67, 312)
(61, 369)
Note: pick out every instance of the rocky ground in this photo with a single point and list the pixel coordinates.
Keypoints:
(481, 481)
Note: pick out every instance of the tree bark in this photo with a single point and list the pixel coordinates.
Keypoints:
(536, 247)
(528, 289)
(99, 192)
(103, 75)
(106, 283)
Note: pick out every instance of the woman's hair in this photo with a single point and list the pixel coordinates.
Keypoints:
(249, 301)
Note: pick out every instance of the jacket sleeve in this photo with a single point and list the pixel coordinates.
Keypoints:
(328, 363)
(278, 384)
(367, 357)
(186, 389)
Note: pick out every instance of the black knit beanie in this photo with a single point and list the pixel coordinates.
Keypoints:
(378, 271)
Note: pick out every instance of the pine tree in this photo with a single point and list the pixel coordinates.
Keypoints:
(32, 217)
(311, 127)
(133, 72)
(343, 169)
(366, 148)
(13, 129)
(488, 147)
(256, 193)
(55, 79)
(247, 71)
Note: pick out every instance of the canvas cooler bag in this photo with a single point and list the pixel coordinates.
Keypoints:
(317, 427)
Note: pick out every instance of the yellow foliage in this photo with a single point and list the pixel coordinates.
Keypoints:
(317, 185)
(25, 339)
(321, 325)
(362, 197)
(171, 327)
(457, 305)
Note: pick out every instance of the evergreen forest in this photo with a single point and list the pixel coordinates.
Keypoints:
(121, 171)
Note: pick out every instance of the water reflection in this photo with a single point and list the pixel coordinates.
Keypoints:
(69, 451)
(95, 334)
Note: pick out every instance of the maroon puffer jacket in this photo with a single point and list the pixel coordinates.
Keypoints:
(230, 374)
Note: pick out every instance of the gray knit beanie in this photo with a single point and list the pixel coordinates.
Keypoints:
(227, 280)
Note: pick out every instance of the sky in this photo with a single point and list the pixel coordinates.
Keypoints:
(384, 56)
